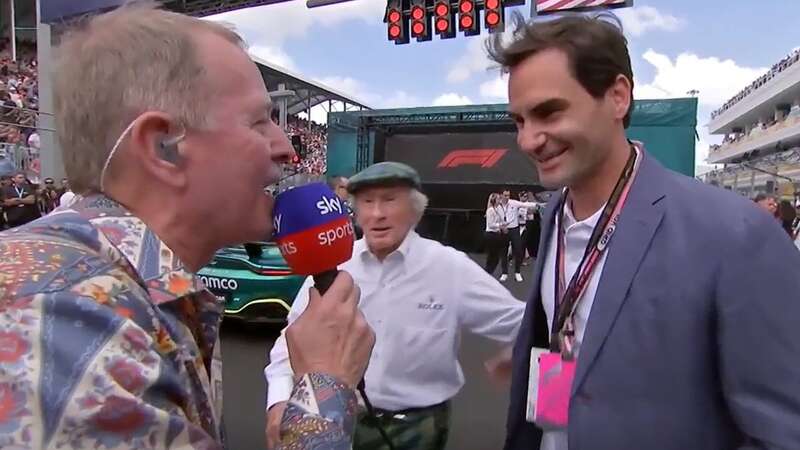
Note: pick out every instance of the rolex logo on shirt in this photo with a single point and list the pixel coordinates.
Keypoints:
(431, 305)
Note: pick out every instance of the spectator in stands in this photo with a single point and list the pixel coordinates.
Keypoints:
(20, 202)
(33, 141)
(5, 181)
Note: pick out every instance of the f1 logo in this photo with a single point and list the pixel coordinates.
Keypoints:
(486, 158)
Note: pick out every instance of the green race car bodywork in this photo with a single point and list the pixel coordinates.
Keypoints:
(254, 282)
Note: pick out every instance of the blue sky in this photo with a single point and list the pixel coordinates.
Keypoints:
(714, 46)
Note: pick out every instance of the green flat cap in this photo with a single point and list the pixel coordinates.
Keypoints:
(387, 173)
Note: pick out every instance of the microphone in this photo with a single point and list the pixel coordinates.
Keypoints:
(314, 232)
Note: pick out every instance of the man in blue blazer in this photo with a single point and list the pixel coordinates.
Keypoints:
(687, 334)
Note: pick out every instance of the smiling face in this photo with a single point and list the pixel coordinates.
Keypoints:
(561, 127)
(386, 214)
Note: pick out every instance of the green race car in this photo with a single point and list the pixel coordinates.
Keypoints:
(254, 282)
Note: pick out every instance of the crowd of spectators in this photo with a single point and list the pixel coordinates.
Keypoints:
(315, 143)
(781, 118)
(784, 64)
(19, 95)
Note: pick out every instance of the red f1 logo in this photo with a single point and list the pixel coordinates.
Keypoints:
(485, 158)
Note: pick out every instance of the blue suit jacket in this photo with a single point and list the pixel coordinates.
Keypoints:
(693, 341)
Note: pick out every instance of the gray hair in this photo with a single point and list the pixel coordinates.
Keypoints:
(118, 65)
(419, 202)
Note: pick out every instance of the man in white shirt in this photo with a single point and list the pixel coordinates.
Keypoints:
(418, 295)
(511, 209)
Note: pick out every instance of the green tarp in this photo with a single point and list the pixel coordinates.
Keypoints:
(667, 127)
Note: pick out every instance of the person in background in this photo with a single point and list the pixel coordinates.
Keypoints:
(68, 197)
(495, 237)
(20, 202)
(510, 208)
(768, 203)
(5, 181)
(787, 215)
(109, 338)
(338, 185)
(48, 196)
(530, 237)
(682, 331)
(419, 296)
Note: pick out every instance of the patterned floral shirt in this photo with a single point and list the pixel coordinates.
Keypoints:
(107, 342)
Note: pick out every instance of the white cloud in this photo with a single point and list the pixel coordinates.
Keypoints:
(641, 19)
(717, 80)
(272, 25)
(359, 91)
(473, 61)
(495, 89)
(451, 99)
(273, 55)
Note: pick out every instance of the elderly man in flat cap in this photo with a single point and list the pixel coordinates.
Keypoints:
(418, 295)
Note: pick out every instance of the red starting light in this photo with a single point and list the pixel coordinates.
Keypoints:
(394, 31)
(466, 22)
(417, 13)
(418, 28)
(442, 25)
(442, 10)
(466, 6)
(394, 16)
(492, 4)
(492, 18)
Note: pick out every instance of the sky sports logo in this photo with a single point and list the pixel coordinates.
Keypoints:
(486, 158)
(325, 206)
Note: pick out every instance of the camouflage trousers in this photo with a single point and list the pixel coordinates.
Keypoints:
(417, 429)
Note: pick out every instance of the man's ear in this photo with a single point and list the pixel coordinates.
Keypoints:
(620, 94)
(155, 144)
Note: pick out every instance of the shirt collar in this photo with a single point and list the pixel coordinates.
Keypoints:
(590, 222)
(164, 275)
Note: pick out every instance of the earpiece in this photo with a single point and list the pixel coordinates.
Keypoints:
(168, 148)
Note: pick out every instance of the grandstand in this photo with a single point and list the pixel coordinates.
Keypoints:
(19, 93)
(294, 95)
(761, 128)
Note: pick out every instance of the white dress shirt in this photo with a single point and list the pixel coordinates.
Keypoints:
(512, 211)
(494, 218)
(576, 237)
(417, 301)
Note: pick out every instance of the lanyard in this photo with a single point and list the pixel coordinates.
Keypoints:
(568, 298)
(20, 192)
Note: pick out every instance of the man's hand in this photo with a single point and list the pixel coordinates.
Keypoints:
(332, 336)
(274, 416)
(499, 367)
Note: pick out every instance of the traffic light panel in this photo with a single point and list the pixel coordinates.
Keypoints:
(468, 17)
(444, 19)
(493, 15)
(420, 21)
(397, 26)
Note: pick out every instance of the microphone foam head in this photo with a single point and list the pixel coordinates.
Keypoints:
(312, 229)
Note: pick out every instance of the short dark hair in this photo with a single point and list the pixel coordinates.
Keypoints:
(595, 46)
(334, 180)
(762, 196)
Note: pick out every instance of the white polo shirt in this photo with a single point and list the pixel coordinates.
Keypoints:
(418, 301)
(576, 237)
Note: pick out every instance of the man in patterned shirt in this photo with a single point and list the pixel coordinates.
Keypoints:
(108, 339)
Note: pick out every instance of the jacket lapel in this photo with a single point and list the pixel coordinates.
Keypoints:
(637, 225)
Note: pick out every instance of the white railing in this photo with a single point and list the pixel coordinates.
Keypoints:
(23, 158)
